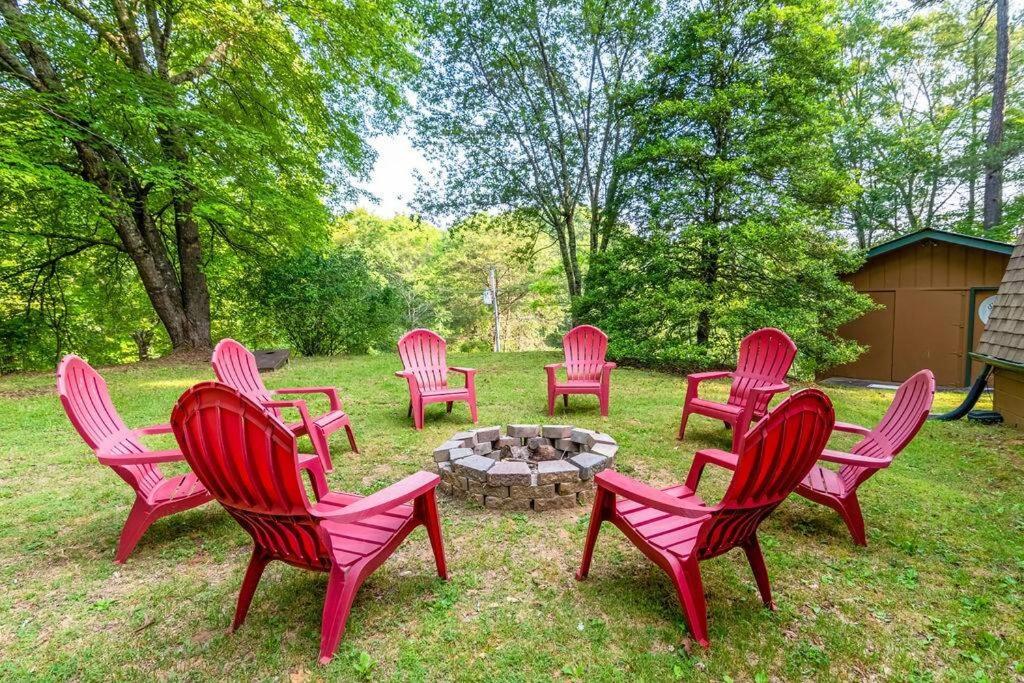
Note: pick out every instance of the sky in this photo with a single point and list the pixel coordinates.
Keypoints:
(392, 182)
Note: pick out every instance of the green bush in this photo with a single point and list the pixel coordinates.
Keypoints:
(327, 303)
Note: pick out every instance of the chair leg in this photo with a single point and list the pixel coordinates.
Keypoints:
(417, 415)
(597, 514)
(426, 509)
(849, 510)
(756, 559)
(738, 435)
(341, 593)
(682, 423)
(322, 448)
(139, 519)
(603, 400)
(448, 406)
(565, 400)
(551, 400)
(472, 409)
(351, 438)
(409, 414)
(257, 563)
(690, 587)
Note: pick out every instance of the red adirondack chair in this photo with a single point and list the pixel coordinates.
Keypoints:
(247, 458)
(235, 365)
(424, 356)
(765, 357)
(586, 370)
(876, 450)
(85, 398)
(677, 530)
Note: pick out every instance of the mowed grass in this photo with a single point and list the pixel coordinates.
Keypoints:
(938, 594)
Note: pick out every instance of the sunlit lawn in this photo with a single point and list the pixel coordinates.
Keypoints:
(937, 594)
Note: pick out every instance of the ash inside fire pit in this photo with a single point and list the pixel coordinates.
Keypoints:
(538, 467)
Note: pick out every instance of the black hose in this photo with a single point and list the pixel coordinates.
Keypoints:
(972, 397)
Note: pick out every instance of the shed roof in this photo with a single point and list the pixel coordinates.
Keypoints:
(983, 243)
(1003, 338)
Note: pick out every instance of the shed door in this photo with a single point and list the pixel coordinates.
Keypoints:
(929, 333)
(874, 329)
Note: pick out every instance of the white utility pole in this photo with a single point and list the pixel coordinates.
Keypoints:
(492, 281)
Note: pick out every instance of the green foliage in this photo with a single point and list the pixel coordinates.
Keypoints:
(402, 252)
(519, 105)
(915, 115)
(189, 136)
(736, 185)
(326, 303)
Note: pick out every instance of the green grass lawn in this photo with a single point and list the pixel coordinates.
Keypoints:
(938, 594)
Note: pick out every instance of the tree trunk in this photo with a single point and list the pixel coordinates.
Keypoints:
(709, 259)
(993, 201)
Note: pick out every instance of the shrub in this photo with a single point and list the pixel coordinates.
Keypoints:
(327, 303)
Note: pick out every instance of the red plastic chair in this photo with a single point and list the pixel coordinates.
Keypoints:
(765, 357)
(424, 356)
(234, 365)
(586, 370)
(677, 530)
(246, 457)
(85, 398)
(876, 450)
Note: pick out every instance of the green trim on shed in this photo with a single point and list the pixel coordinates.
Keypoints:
(983, 243)
(997, 362)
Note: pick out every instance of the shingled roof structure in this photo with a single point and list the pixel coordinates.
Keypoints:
(1003, 338)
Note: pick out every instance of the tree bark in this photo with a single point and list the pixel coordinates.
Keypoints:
(993, 200)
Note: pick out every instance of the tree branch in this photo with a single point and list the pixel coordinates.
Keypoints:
(216, 55)
(93, 22)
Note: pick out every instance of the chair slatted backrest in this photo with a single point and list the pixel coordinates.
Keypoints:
(900, 424)
(424, 353)
(777, 454)
(235, 365)
(585, 347)
(765, 358)
(248, 460)
(86, 400)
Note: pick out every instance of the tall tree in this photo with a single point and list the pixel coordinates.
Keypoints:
(521, 109)
(734, 128)
(993, 201)
(174, 126)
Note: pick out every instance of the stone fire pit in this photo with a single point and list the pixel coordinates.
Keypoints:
(538, 467)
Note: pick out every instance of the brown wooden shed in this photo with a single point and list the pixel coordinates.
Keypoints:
(932, 286)
(1002, 344)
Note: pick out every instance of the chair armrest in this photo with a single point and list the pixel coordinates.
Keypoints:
(851, 428)
(464, 371)
(622, 485)
(153, 429)
(610, 365)
(771, 389)
(698, 377)
(144, 458)
(723, 459)
(401, 492)
(299, 405)
(552, 370)
(841, 458)
(330, 392)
